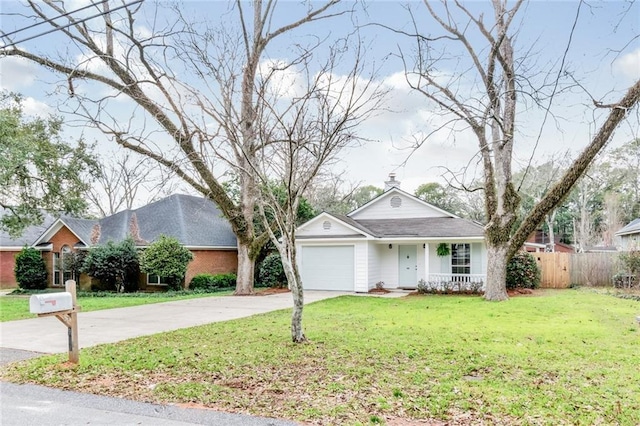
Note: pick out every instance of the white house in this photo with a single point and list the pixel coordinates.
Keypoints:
(394, 238)
(630, 235)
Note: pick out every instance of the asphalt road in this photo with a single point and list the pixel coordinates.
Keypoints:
(26, 405)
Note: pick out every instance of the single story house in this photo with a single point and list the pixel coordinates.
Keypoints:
(396, 239)
(11, 246)
(195, 222)
(630, 236)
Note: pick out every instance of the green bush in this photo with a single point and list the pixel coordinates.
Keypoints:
(271, 272)
(115, 265)
(210, 283)
(523, 272)
(167, 258)
(30, 269)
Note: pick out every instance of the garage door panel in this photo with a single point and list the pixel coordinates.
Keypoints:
(328, 268)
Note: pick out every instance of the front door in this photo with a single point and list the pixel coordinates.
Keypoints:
(407, 266)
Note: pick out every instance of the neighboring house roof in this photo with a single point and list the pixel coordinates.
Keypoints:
(632, 228)
(195, 222)
(30, 234)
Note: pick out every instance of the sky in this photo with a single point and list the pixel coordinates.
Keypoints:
(601, 52)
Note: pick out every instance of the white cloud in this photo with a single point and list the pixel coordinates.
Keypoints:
(33, 107)
(629, 65)
(17, 73)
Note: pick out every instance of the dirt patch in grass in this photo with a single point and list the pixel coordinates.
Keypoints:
(271, 290)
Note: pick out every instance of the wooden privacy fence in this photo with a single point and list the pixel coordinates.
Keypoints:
(560, 270)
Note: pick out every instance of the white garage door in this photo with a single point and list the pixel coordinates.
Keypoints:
(327, 268)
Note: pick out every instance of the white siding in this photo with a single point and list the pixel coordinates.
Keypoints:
(316, 228)
(409, 208)
(389, 265)
(361, 267)
(420, 261)
(375, 261)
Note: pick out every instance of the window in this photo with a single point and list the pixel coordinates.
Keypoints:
(65, 266)
(157, 280)
(460, 258)
(56, 269)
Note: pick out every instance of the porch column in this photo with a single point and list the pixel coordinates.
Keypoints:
(426, 262)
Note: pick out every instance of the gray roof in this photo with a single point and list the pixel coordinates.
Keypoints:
(422, 227)
(30, 234)
(81, 227)
(632, 228)
(194, 221)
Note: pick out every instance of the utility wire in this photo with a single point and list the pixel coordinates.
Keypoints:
(52, 19)
(12, 44)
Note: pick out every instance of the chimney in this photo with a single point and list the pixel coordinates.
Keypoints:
(391, 183)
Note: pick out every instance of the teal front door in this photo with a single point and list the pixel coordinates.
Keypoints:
(407, 266)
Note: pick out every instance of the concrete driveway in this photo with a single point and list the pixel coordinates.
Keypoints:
(49, 335)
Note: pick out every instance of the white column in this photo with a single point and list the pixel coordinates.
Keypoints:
(426, 262)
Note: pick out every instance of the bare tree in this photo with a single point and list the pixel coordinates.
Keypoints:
(304, 139)
(484, 98)
(124, 182)
(167, 119)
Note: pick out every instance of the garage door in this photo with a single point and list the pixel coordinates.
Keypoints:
(327, 268)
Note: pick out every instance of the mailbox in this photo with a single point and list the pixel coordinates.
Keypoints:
(52, 302)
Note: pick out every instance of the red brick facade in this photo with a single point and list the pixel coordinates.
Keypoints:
(212, 262)
(204, 261)
(7, 265)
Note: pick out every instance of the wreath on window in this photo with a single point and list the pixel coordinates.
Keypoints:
(443, 249)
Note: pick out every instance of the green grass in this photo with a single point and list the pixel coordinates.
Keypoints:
(566, 357)
(14, 307)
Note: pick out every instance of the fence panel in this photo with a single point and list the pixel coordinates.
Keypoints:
(593, 269)
(555, 269)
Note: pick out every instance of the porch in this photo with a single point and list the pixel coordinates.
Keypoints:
(450, 283)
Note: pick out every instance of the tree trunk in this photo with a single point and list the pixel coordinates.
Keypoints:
(495, 289)
(287, 252)
(297, 335)
(246, 265)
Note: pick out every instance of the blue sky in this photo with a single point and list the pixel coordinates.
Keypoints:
(604, 56)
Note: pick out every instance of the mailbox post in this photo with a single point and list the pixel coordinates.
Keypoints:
(63, 306)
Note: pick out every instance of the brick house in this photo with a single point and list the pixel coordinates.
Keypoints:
(195, 222)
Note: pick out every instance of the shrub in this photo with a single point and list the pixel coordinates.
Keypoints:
(271, 272)
(30, 269)
(210, 283)
(115, 265)
(523, 272)
(167, 258)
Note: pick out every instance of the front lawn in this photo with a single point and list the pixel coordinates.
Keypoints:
(565, 357)
(14, 307)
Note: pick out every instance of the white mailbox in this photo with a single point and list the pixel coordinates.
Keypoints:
(51, 302)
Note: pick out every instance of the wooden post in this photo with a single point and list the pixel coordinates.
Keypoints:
(72, 326)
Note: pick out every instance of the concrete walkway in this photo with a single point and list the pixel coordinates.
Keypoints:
(49, 335)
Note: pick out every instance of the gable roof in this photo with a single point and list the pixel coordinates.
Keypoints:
(446, 225)
(399, 191)
(351, 224)
(81, 228)
(632, 228)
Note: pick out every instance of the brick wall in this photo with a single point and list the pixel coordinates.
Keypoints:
(7, 265)
(212, 262)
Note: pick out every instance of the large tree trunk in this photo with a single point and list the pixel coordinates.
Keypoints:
(246, 266)
(495, 289)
